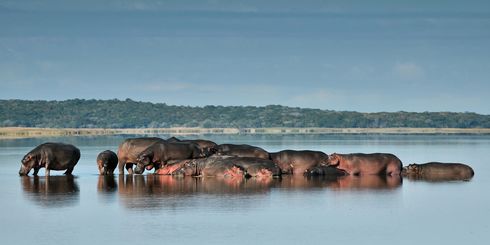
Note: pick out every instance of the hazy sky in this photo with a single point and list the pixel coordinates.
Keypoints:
(342, 55)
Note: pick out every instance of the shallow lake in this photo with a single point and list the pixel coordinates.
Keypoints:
(147, 208)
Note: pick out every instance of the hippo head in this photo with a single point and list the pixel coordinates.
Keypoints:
(142, 161)
(333, 159)
(103, 166)
(28, 162)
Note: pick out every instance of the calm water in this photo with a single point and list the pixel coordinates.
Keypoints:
(130, 209)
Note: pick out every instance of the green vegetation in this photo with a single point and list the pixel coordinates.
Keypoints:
(127, 113)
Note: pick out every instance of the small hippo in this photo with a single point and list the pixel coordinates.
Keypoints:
(107, 162)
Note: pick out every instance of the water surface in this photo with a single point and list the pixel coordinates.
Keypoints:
(87, 208)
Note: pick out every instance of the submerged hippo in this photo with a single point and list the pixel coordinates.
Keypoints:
(242, 151)
(159, 153)
(369, 182)
(366, 164)
(207, 147)
(327, 171)
(52, 156)
(107, 162)
(129, 150)
(298, 162)
(437, 171)
(222, 166)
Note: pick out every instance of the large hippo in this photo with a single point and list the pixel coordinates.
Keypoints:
(437, 171)
(52, 156)
(366, 164)
(129, 150)
(222, 166)
(159, 153)
(242, 151)
(107, 162)
(298, 162)
(207, 147)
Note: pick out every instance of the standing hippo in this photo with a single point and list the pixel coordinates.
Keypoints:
(207, 147)
(159, 153)
(366, 164)
(107, 162)
(242, 151)
(437, 171)
(129, 150)
(52, 156)
(298, 162)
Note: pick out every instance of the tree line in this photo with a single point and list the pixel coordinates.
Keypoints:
(81, 113)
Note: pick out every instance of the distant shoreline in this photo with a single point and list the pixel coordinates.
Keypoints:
(23, 132)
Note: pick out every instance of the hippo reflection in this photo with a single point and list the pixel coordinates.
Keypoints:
(163, 191)
(52, 191)
(366, 182)
(106, 184)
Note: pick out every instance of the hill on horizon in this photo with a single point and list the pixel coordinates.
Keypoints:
(81, 113)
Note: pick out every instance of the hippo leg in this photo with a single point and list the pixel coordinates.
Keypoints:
(47, 172)
(35, 171)
(68, 171)
(120, 166)
(129, 167)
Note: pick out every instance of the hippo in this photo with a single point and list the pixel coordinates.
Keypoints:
(52, 156)
(129, 150)
(207, 147)
(437, 171)
(159, 153)
(366, 164)
(222, 166)
(107, 162)
(298, 162)
(242, 151)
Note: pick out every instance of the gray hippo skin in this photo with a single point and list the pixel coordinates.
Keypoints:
(367, 164)
(157, 154)
(242, 151)
(52, 156)
(298, 162)
(437, 171)
(107, 162)
(129, 150)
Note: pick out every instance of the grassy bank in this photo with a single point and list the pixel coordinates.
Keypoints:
(21, 132)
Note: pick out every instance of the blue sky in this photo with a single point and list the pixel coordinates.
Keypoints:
(342, 55)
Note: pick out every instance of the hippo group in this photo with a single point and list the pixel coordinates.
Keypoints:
(204, 158)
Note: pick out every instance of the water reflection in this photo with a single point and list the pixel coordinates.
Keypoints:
(366, 182)
(155, 191)
(435, 178)
(107, 184)
(163, 191)
(52, 191)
